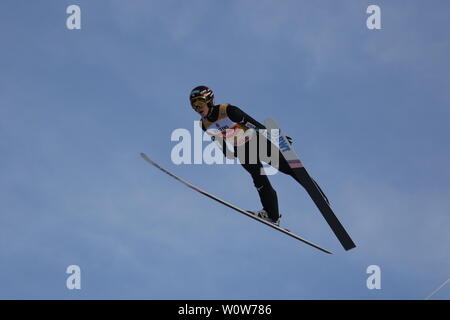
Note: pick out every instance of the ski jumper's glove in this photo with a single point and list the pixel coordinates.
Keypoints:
(290, 140)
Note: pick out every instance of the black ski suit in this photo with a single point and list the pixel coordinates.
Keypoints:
(267, 194)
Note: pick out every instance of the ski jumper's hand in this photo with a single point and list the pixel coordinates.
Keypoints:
(290, 140)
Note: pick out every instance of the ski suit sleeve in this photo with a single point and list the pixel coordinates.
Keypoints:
(237, 115)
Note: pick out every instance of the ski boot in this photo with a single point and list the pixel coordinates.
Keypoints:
(265, 216)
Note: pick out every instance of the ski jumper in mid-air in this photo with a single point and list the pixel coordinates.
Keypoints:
(226, 118)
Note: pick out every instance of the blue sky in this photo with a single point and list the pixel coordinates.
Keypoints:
(369, 112)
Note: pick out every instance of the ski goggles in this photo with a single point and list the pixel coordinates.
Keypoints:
(198, 103)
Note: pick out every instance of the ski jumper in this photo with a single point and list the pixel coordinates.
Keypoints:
(233, 124)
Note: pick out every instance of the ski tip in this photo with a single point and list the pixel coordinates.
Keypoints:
(144, 156)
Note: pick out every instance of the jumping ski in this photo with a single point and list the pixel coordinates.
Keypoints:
(232, 206)
(313, 189)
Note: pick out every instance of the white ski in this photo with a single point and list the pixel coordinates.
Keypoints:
(232, 206)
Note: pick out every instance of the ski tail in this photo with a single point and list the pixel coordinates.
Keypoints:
(324, 208)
